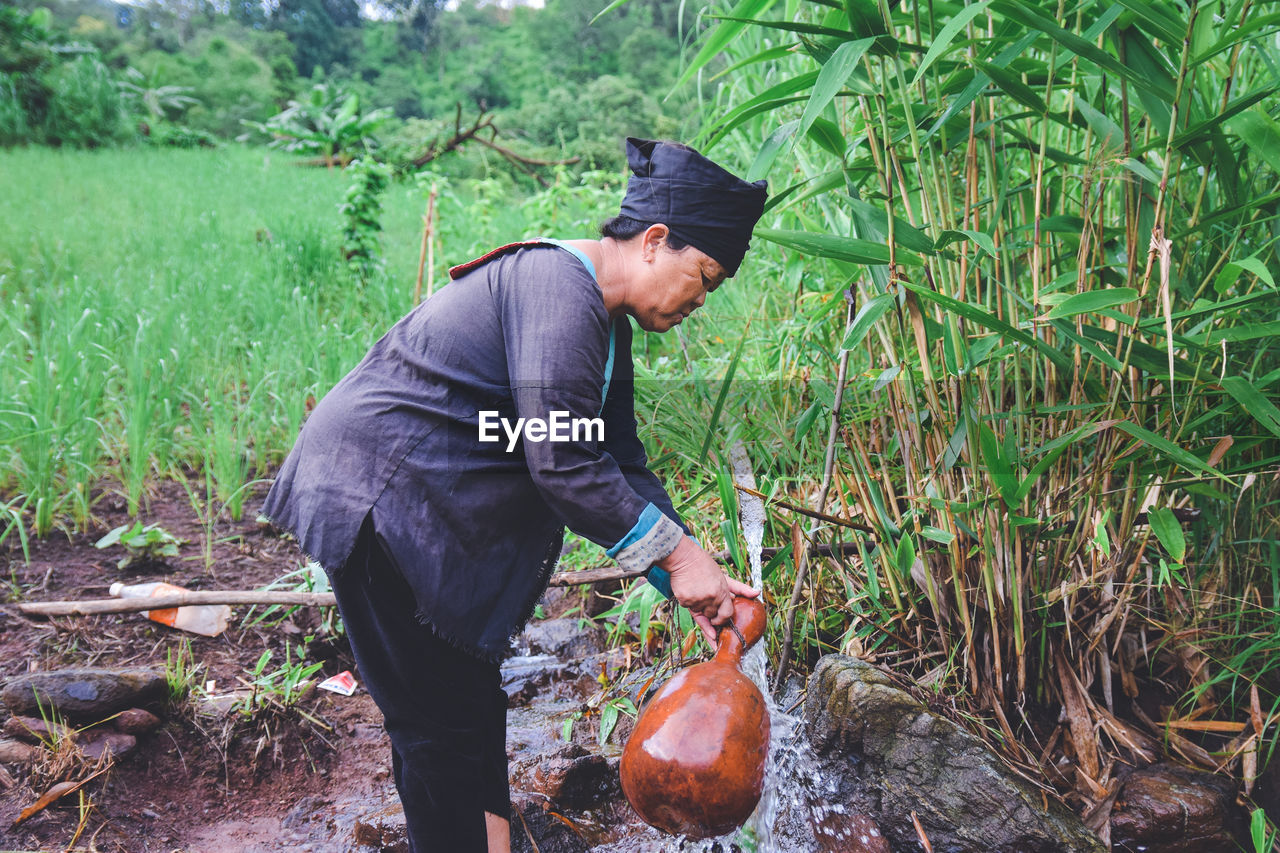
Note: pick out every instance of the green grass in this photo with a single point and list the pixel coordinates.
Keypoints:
(167, 310)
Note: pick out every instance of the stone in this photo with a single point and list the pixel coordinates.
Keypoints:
(97, 742)
(535, 829)
(303, 811)
(569, 777)
(1171, 809)
(384, 830)
(86, 693)
(136, 721)
(17, 752)
(562, 638)
(889, 756)
(37, 730)
(841, 832)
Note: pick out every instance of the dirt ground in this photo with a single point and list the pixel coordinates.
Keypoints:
(276, 780)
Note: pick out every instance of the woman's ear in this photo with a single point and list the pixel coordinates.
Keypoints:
(653, 239)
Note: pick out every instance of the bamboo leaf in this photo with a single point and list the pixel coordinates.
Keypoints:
(771, 54)
(1164, 524)
(722, 35)
(828, 136)
(1252, 401)
(944, 39)
(1166, 447)
(769, 151)
(983, 240)
(868, 315)
(831, 79)
(788, 26)
(849, 249)
(607, 9)
(1109, 134)
(1261, 134)
(1091, 301)
(903, 233)
(1033, 17)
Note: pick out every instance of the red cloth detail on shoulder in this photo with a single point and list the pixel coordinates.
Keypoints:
(463, 269)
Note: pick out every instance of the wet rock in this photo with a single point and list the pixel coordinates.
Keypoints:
(383, 830)
(1170, 809)
(888, 756)
(36, 730)
(136, 721)
(535, 829)
(85, 692)
(97, 742)
(524, 677)
(569, 777)
(16, 752)
(563, 639)
(841, 832)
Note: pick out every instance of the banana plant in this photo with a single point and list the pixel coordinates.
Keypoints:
(327, 122)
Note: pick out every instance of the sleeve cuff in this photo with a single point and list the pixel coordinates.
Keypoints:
(652, 538)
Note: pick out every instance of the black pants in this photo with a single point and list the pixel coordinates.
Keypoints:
(445, 711)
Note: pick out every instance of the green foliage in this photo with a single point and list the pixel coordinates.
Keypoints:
(181, 672)
(1033, 217)
(159, 102)
(54, 92)
(362, 217)
(328, 122)
(281, 688)
(143, 544)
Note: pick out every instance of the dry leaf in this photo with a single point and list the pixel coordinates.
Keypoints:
(1076, 704)
(47, 799)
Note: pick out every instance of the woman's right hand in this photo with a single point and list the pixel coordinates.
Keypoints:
(698, 583)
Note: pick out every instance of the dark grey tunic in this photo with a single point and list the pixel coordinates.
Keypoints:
(475, 529)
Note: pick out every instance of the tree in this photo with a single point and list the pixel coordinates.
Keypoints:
(318, 31)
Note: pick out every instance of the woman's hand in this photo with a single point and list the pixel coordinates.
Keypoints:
(699, 583)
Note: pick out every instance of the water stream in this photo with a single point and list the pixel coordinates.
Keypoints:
(796, 797)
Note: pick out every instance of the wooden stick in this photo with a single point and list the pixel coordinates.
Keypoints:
(268, 597)
(177, 599)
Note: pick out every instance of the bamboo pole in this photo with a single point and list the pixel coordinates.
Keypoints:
(426, 256)
(269, 597)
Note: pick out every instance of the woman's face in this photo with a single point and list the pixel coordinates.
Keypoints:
(673, 286)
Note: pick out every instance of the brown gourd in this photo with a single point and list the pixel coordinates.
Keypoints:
(694, 764)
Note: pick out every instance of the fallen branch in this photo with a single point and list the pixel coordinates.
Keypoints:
(177, 599)
(89, 607)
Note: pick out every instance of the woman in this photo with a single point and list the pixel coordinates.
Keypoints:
(435, 480)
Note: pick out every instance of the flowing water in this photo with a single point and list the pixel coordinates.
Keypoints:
(796, 799)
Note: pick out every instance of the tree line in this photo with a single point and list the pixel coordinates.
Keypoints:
(89, 73)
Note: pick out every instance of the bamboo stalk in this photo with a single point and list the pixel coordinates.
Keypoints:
(95, 606)
(426, 255)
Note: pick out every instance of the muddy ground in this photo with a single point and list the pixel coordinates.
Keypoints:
(275, 780)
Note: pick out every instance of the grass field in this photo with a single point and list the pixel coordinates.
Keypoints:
(166, 311)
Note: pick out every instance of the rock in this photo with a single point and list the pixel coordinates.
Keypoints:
(383, 830)
(85, 693)
(569, 776)
(888, 756)
(524, 677)
(1170, 809)
(562, 638)
(840, 832)
(16, 752)
(535, 828)
(36, 730)
(136, 721)
(97, 742)
(304, 810)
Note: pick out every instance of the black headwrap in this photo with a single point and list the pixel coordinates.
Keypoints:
(704, 205)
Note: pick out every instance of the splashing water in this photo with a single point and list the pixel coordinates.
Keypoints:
(796, 796)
